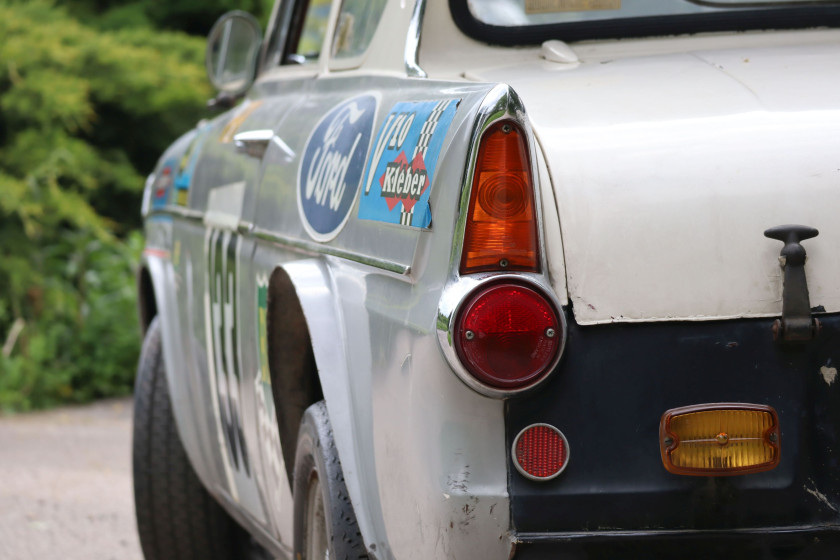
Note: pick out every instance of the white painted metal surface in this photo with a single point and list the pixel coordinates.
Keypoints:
(670, 157)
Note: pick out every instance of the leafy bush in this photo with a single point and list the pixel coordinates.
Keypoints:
(192, 16)
(83, 115)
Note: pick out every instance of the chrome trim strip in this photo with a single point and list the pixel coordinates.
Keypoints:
(611, 535)
(309, 247)
(312, 247)
(188, 213)
(412, 42)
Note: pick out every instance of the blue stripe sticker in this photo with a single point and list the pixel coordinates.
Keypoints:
(402, 165)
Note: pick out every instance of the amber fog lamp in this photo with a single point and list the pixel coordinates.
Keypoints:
(721, 439)
(501, 230)
(508, 336)
(540, 452)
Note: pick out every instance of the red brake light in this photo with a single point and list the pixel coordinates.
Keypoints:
(501, 231)
(540, 452)
(508, 336)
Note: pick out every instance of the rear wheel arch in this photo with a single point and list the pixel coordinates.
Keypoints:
(146, 301)
(291, 361)
(306, 296)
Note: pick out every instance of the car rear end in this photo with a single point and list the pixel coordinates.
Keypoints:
(674, 392)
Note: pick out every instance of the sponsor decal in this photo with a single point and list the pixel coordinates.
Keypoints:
(221, 309)
(403, 162)
(274, 473)
(162, 185)
(186, 167)
(332, 165)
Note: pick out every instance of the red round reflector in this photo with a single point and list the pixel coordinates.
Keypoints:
(540, 452)
(508, 336)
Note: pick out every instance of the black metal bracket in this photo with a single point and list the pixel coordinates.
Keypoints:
(796, 324)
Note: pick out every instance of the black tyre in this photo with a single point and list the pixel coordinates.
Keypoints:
(177, 519)
(325, 524)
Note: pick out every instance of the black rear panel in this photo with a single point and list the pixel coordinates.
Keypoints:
(612, 387)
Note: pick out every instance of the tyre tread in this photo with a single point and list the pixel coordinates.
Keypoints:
(316, 438)
(177, 519)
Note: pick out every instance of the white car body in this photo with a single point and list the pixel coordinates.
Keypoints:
(658, 163)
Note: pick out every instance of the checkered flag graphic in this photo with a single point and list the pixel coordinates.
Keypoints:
(426, 134)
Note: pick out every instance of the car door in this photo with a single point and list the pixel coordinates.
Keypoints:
(216, 183)
(235, 294)
(316, 173)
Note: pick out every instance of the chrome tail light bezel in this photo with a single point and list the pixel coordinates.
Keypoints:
(458, 293)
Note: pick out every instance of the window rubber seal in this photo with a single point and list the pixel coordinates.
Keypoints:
(784, 18)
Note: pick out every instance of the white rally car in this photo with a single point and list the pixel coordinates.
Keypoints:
(499, 279)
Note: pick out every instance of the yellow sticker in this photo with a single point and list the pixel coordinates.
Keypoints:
(233, 125)
(549, 6)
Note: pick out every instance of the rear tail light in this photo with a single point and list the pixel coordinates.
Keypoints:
(720, 439)
(540, 452)
(501, 229)
(508, 335)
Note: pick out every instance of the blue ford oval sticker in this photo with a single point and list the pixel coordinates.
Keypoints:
(331, 169)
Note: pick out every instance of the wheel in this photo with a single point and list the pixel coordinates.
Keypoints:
(176, 516)
(325, 524)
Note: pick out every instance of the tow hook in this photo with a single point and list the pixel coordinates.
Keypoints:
(796, 324)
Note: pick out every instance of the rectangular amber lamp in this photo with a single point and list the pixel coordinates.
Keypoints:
(720, 439)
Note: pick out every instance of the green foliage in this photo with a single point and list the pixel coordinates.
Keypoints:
(82, 337)
(83, 116)
(195, 17)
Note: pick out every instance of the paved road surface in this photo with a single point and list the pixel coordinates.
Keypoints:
(65, 484)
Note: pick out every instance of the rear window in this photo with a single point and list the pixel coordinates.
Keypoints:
(512, 22)
(357, 22)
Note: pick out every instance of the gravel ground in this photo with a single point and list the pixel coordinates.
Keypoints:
(65, 484)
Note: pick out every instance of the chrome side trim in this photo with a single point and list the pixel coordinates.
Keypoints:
(453, 297)
(412, 42)
(188, 213)
(313, 248)
(307, 247)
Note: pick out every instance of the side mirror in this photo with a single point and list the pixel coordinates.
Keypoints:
(233, 48)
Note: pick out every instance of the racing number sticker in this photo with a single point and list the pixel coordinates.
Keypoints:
(403, 163)
(331, 168)
(223, 359)
(267, 429)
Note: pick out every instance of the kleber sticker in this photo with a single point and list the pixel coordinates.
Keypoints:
(332, 165)
(402, 166)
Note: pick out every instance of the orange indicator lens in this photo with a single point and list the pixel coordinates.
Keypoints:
(719, 439)
(501, 232)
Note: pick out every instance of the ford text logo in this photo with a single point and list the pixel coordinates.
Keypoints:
(331, 169)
